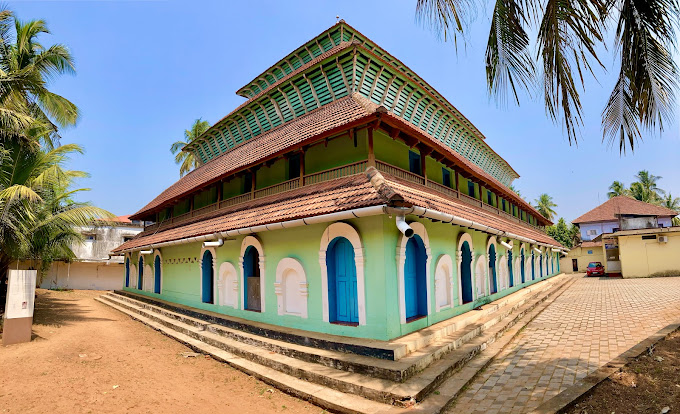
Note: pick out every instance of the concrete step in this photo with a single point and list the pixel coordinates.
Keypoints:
(420, 383)
(320, 395)
(399, 371)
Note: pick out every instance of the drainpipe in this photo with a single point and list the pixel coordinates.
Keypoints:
(146, 252)
(506, 245)
(537, 251)
(217, 243)
(404, 227)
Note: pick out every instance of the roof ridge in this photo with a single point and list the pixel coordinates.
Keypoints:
(385, 191)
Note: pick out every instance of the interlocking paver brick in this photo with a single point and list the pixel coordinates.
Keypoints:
(590, 324)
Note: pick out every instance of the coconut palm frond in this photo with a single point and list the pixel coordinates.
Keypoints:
(447, 18)
(508, 62)
(644, 95)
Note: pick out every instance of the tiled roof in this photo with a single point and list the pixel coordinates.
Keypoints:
(609, 210)
(329, 197)
(327, 118)
(590, 244)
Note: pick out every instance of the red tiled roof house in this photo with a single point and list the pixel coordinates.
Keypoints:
(345, 196)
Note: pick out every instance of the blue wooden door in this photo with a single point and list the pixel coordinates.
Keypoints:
(343, 303)
(522, 271)
(251, 271)
(511, 273)
(127, 272)
(157, 275)
(415, 289)
(207, 278)
(533, 266)
(140, 274)
(492, 269)
(466, 273)
(540, 264)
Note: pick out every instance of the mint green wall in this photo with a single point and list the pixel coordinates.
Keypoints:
(232, 188)
(181, 275)
(340, 151)
(434, 170)
(274, 174)
(390, 150)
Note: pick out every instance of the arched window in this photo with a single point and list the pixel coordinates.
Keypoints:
(443, 282)
(522, 269)
(207, 277)
(291, 288)
(157, 274)
(127, 272)
(493, 277)
(343, 303)
(415, 282)
(140, 273)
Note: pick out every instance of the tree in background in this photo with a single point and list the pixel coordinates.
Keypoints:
(515, 190)
(545, 206)
(617, 189)
(567, 235)
(186, 160)
(671, 202)
(569, 36)
(645, 188)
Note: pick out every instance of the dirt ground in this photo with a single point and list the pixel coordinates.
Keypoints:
(647, 385)
(88, 358)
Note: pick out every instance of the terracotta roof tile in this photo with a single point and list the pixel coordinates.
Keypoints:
(327, 118)
(329, 197)
(590, 244)
(609, 210)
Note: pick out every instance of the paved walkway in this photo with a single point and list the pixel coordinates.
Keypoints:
(590, 324)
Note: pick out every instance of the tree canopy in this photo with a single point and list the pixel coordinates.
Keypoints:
(545, 206)
(187, 160)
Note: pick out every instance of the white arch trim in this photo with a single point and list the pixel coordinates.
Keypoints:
(133, 275)
(481, 280)
(462, 238)
(200, 271)
(148, 278)
(419, 229)
(334, 230)
(227, 285)
(299, 292)
(160, 256)
(443, 282)
(257, 244)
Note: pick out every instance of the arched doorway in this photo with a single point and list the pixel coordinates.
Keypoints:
(140, 273)
(511, 273)
(493, 277)
(207, 278)
(252, 299)
(415, 283)
(533, 266)
(157, 274)
(466, 273)
(540, 264)
(343, 305)
(521, 266)
(127, 272)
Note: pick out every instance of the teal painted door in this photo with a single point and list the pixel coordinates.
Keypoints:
(140, 274)
(466, 276)
(342, 285)
(415, 289)
(207, 276)
(157, 275)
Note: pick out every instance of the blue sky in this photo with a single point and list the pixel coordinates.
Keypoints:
(147, 69)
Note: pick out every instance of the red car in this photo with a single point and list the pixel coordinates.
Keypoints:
(595, 268)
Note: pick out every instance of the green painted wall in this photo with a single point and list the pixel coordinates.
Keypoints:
(232, 188)
(274, 174)
(181, 275)
(340, 151)
(390, 151)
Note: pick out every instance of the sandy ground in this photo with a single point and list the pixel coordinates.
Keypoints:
(88, 358)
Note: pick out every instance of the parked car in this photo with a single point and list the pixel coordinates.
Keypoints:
(595, 269)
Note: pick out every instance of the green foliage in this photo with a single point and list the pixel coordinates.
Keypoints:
(617, 189)
(563, 233)
(644, 189)
(570, 35)
(186, 160)
(545, 206)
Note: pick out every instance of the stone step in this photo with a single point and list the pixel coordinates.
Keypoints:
(320, 395)
(362, 384)
(394, 371)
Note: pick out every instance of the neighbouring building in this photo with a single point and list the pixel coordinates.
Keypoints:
(622, 234)
(93, 267)
(344, 196)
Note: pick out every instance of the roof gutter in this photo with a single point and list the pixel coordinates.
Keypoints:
(346, 215)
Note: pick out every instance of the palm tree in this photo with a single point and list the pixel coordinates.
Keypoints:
(645, 188)
(38, 216)
(616, 189)
(186, 159)
(545, 206)
(515, 190)
(671, 202)
(570, 34)
(27, 66)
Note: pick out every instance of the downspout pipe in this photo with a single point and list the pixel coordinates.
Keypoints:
(146, 252)
(403, 227)
(506, 245)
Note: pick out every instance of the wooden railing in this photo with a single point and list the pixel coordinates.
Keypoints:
(331, 174)
(400, 173)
